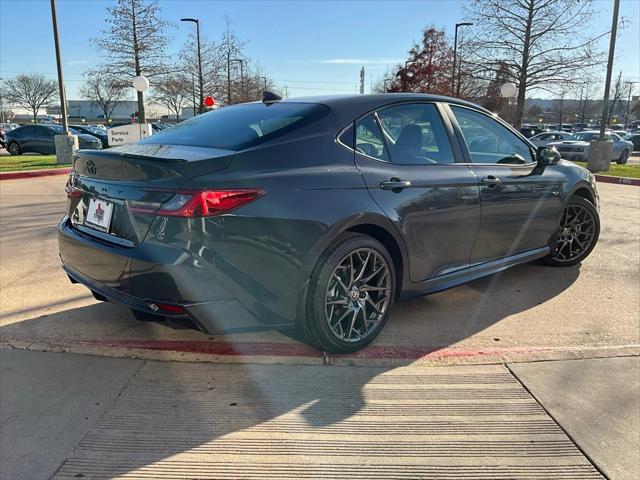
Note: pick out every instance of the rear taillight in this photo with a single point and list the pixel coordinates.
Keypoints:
(72, 192)
(188, 203)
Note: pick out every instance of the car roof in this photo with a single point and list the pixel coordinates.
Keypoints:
(379, 99)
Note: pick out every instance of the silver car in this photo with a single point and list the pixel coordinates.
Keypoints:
(545, 138)
(577, 146)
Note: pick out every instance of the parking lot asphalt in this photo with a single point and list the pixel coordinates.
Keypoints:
(526, 313)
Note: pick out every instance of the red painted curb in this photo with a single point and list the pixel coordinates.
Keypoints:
(618, 180)
(375, 352)
(34, 173)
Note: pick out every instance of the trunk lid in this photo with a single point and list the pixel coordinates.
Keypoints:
(105, 186)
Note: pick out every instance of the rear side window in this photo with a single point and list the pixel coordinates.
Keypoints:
(369, 139)
(415, 134)
(240, 126)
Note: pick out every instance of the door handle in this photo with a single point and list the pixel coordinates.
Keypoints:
(395, 184)
(491, 181)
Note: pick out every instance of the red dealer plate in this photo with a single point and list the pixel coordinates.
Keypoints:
(99, 214)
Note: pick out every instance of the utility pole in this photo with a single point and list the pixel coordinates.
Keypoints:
(601, 150)
(362, 81)
(65, 144)
(63, 97)
(626, 116)
(607, 83)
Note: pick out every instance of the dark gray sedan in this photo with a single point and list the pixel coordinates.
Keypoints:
(40, 139)
(319, 212)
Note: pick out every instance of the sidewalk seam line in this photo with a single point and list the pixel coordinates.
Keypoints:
(569, 436)
(124, 387)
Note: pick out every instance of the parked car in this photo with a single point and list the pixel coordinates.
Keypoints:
(40, 139)
(530, 130)
(545, 138)
(318, 212)
(96, 132)
(577, 146)
(634, 138)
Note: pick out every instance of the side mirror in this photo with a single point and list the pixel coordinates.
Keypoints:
(548, 156)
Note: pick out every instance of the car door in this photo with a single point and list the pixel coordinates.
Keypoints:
(521, 203)
(46, 140)
(27, 138)
(409, 165)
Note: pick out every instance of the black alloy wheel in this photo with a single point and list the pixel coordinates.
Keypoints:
(351, 293)
(577, 235)
(624, 156)
(14, 149)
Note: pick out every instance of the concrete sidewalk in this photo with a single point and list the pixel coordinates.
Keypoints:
(93, 417)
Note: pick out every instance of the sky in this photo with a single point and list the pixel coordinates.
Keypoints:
(311, 47)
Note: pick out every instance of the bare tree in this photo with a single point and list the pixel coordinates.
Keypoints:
(540, 40)
(31, 91)
(134, 41)
(173, 91)
(212, 68)
(616, 98)
(228, 73)
(103, 91)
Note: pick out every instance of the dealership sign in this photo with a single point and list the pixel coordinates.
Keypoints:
(128, 133)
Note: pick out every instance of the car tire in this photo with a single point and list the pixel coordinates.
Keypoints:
(572, 229)
(624, 156)
(14, 149)
(348, 303)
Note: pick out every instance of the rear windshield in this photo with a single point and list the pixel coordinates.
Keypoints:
(240, 126)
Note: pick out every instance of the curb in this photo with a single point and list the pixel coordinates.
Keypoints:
(34, 173)
(618, 180)
(299, 354)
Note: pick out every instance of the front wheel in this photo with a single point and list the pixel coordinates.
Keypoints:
(624, 156)
(14, 149)
(577, 234)
(351, 293)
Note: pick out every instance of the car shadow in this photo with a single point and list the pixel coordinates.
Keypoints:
(218, 400)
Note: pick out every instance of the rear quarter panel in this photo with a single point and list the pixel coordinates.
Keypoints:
(264, 252)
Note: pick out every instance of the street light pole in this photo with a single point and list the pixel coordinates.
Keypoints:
(241, 61)
(626, 117)
(455, 57)
(200, 79)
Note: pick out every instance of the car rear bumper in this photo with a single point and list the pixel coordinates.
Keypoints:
(126, 276)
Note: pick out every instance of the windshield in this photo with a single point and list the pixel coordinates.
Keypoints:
(95, 130)
(240, 126)
(584, 136)
(58, 129)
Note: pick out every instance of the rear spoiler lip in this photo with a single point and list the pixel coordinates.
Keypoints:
(151, 152)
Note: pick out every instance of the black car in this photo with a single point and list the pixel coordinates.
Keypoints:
(320, 212)
(99, 133)
(40, 139)
(635, 139)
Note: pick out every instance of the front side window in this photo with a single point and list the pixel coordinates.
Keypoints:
(490, 142)
(415, 134)
(369, 139)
